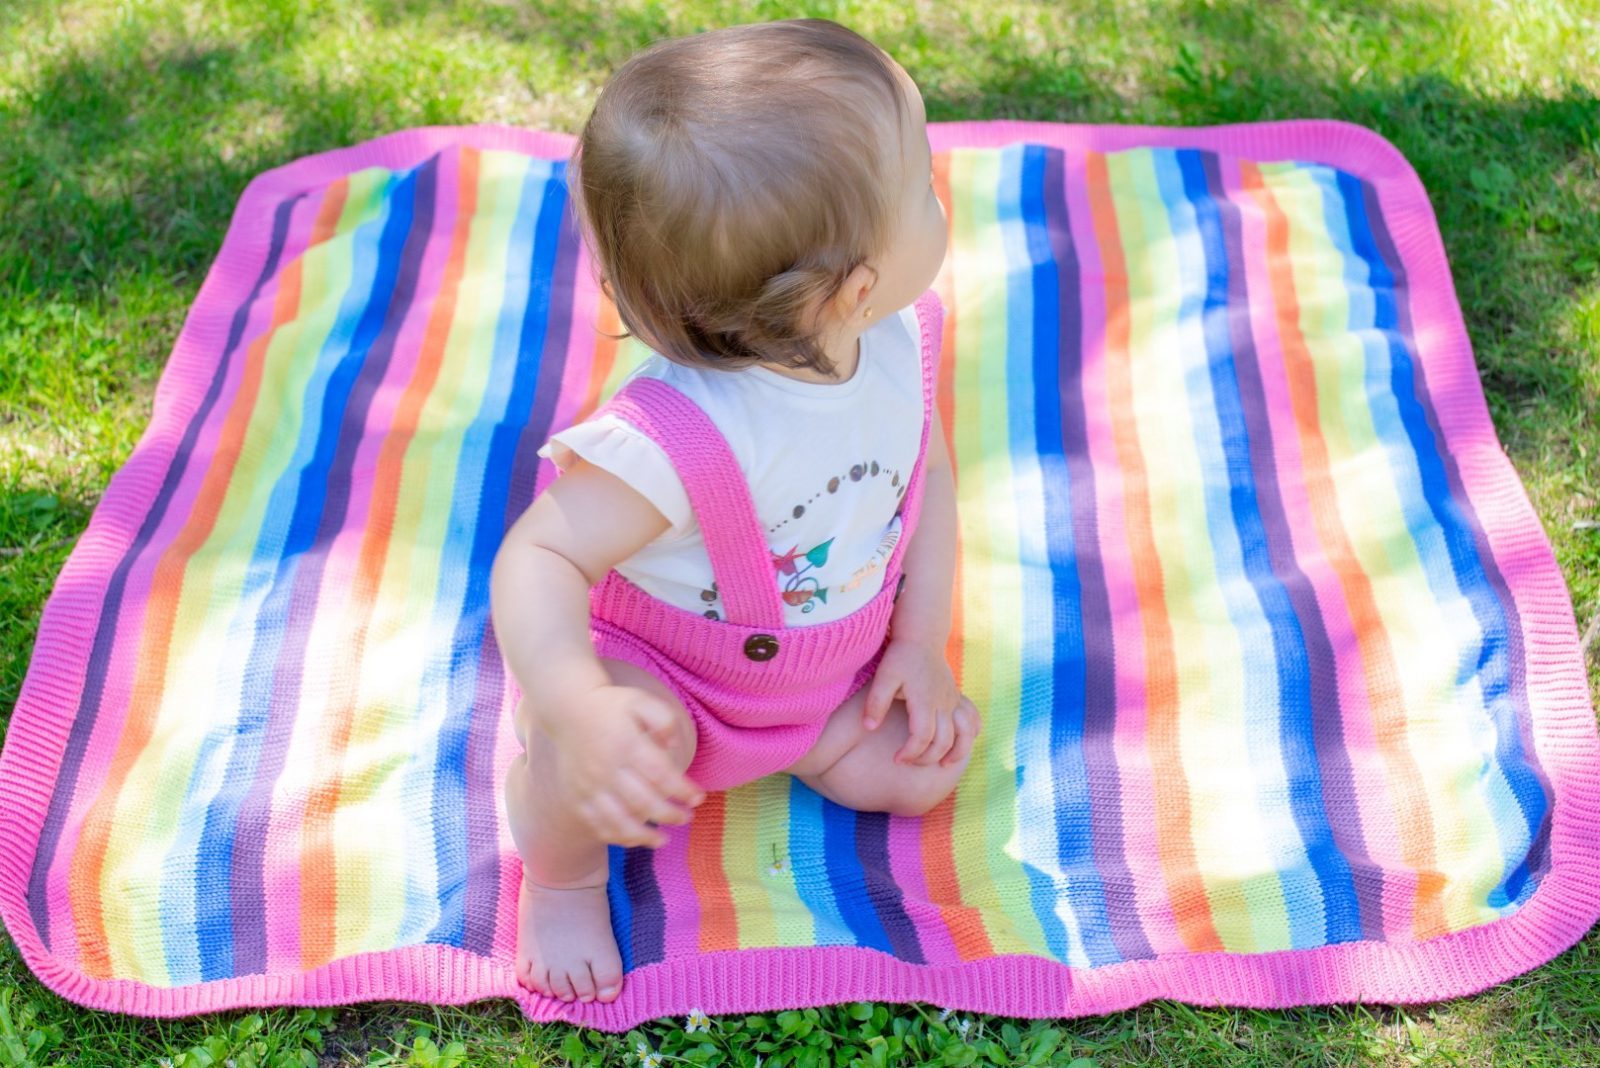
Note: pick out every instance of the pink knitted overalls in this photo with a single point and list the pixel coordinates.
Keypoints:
(759, 692)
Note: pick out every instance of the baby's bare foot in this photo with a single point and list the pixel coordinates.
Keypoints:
(565, 945)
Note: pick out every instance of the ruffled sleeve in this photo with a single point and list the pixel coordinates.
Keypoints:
(612, 443)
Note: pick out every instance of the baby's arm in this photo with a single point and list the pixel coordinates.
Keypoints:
(923, 612)
(581, 526)
(943, 723)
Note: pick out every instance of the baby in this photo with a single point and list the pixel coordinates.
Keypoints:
(746, 565)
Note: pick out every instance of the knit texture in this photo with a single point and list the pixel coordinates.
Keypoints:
(1281, 688)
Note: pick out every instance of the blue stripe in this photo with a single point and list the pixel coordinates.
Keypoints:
(179, 882)
(1319, 893)
(214, 912)
(422, 911)
(849, 879)
(1051, 340)
(621, 904)
(1021, 172)
(481, 486)
(1421, 467)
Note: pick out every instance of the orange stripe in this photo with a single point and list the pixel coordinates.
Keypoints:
(964, 923)
(319, 883)
(166, 590)
(719, 921)
(605, 355)
(1190, 906)
(1377, 658)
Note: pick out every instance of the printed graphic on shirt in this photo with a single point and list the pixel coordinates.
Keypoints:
(857, 472)
(800, 587)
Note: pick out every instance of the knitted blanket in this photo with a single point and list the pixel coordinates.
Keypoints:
(1281, 686)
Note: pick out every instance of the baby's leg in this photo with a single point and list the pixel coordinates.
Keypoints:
(565, 945)
(855, 767)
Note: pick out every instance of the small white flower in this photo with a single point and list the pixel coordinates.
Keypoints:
(697, 1021)
(758, 1060)
(165, 1062)
(962, 1026)
(642, 1050)
(944, 1014)
(651, 1060)
(779, 867)
(230, 1063)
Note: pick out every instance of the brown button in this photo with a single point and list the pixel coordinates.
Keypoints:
(761, 647)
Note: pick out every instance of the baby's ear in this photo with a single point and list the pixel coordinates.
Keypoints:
(854, 292)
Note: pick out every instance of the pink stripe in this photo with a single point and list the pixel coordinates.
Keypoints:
(1133, 760)
(680, 935)
(911, 875)
(281, 857)
(580, 356)
(1559, 913)
(1367, 763)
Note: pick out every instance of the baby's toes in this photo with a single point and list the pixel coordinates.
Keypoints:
(525, 976)
(561, 984)
(607, 978)
(583, 983)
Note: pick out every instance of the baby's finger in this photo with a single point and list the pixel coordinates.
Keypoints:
(880, 695)
(966, 721)
(921, 733)
(944, 732)
(655, 717)
(654, 766)
(644, 800)
(621, 827)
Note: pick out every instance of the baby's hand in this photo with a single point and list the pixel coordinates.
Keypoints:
(943, 722)
(614, 765)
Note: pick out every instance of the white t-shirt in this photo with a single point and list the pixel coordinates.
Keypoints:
(826, 463)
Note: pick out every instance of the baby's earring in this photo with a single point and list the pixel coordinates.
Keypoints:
(866, 313)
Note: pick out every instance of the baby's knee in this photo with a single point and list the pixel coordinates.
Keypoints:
(919, 802)
(927, 788)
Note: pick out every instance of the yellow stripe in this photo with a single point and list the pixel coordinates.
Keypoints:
(147, 815)
(1177, 518)
(985, 806)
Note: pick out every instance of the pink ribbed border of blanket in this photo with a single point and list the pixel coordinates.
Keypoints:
(1558, 914)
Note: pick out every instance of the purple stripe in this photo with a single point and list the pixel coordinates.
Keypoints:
(247, 895)
(647, 943)
(88, 712)
(1327, 727)
(1099, 652)
(886, 895)
(483, 788)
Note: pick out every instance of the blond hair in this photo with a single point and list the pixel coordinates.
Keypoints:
(728, 182)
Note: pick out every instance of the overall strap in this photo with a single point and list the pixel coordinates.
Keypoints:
(741, 561)
(930, 316)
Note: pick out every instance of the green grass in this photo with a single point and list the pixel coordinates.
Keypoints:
(128, 130)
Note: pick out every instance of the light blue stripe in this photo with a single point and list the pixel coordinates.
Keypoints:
(422, 883)
(1427, 535)
(179, 867)
(1047, 884)
(1297, 883)
(808, 859)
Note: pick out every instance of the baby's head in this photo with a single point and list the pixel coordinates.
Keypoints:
(748, 190)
